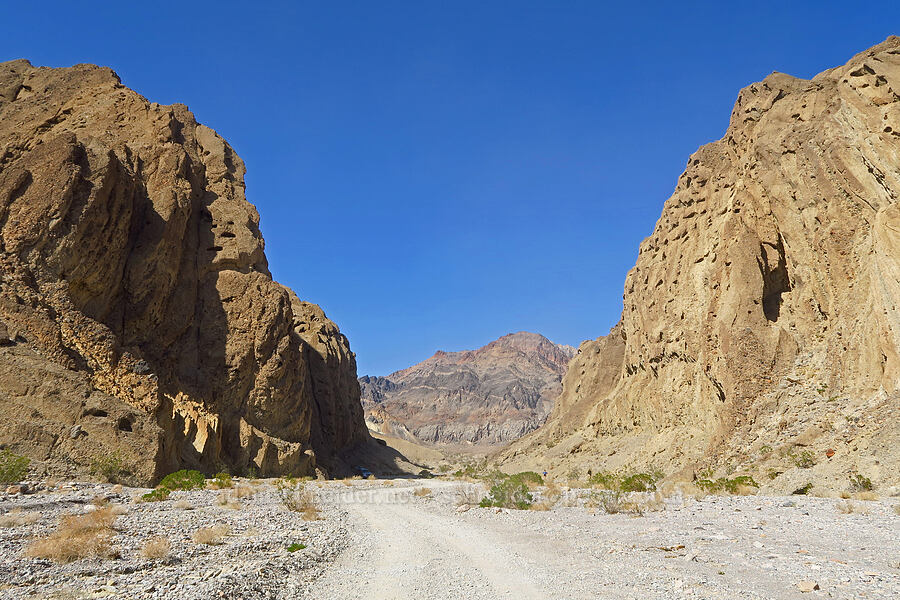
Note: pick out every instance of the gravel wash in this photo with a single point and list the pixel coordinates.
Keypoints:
(252, 560)
(381, 540)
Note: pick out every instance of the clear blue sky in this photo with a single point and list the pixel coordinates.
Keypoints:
(438, 174)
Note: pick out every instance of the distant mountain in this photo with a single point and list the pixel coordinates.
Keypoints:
(491, 395)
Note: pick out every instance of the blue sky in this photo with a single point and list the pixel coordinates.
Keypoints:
(438, 174)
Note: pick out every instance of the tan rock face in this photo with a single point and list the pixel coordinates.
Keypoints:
(763, 310)
(130, 255)
(488, 396)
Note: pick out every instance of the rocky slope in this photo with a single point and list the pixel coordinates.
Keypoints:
(138, 313)
(760, 330)
(487, 396)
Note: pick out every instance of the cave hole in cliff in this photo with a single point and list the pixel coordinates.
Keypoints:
(775, 279)
(124, 424)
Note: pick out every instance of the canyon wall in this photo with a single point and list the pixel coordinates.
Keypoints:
(761, 320)
(133, 273)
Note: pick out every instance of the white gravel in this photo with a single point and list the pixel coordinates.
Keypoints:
(252, 561)
(380, 541)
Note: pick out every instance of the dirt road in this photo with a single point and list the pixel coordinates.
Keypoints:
(404, 546)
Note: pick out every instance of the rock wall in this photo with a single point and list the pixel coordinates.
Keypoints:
(487, 396)
(131, 258)
(761, 319)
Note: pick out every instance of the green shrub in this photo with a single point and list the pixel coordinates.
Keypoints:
(527, 477)
(802, 491)
(605, 480)
(223, 480)
(13, 467)
(183, 480)
(509, 493)
(426, 474)
(804, 459)
(109, 467)
(295, 546)
(723, 484)
(860, 483)
(156, 495)
(640, 482)
(179, 480)
(766, 449)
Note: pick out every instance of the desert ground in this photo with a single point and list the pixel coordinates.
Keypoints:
(428, 538)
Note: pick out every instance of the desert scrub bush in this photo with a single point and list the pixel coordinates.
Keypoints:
(609, 501)
(183, 504)
(211, 536)
(295, 546)
(803, 490)
(644, 503)
(297, 497)
(605, 480)
(860, 483)
(13, 467)
(804, 459)
(897, 509)
(156, 495)
(508, 493)
(17, 518)
(640, 482)
(183, 480)
(221, 481)
(765, 449)
(243, 491)
(528, 478)
(469, 494)
(848, 507)
(469, 471)
(226, 499)
(78, 536)
(109, 467)
(156, 548)
(422, 492)
(741, 484)
(552, 493)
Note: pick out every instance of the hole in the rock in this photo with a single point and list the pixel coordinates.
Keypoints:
(95, 412)
(123, 424)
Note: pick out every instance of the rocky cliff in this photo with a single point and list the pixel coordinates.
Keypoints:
(760, 325)
(487, 396)
(140, 317)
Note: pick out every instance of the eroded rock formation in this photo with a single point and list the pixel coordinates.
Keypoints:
(133, 270)
(487, 396)
(761, 319)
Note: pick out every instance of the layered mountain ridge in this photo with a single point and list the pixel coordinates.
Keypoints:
(760, 322)
(140, 317)
(487, 396)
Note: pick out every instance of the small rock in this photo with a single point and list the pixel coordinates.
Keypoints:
(462, 508)
(807, 586)
(75, 431)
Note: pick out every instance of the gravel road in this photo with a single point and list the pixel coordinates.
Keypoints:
(404, 546)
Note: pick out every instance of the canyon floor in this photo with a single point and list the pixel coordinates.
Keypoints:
(387, 539)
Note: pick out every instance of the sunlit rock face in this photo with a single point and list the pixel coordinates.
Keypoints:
(763, 310)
